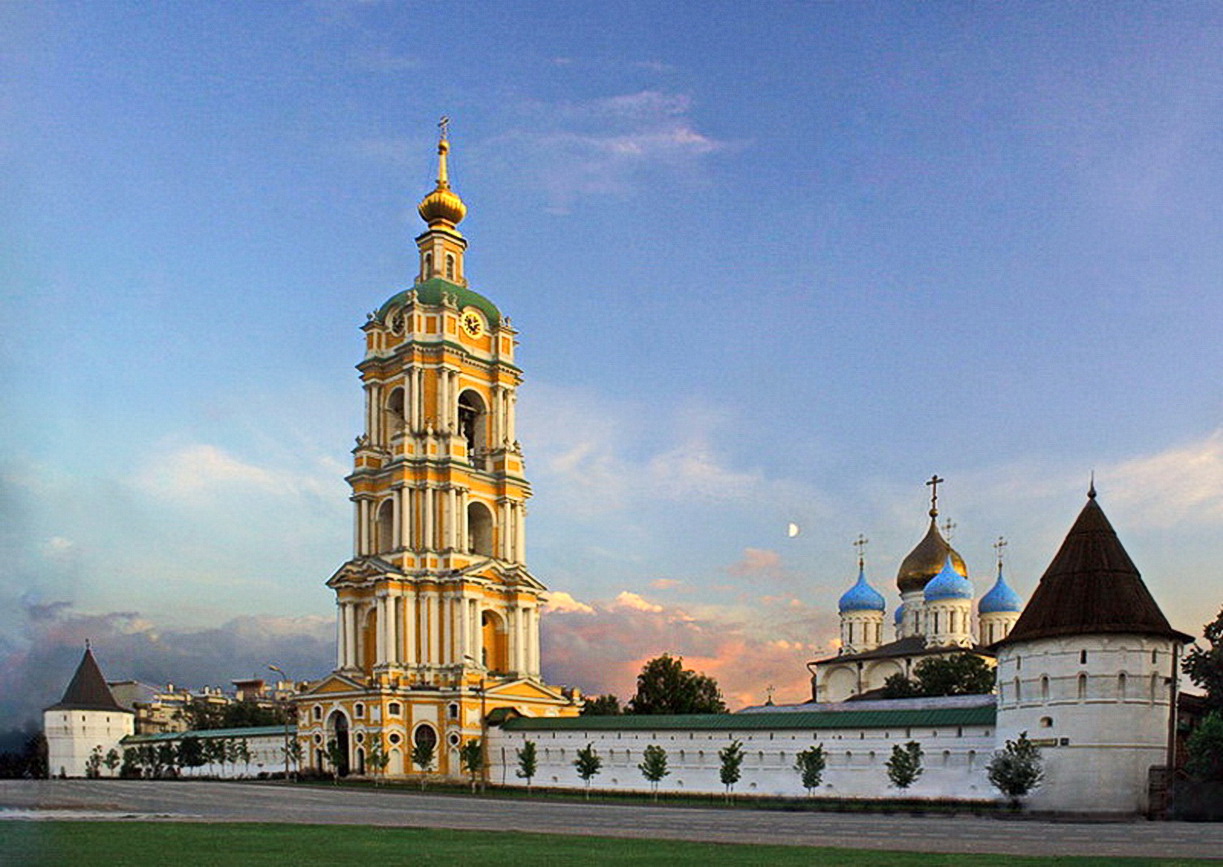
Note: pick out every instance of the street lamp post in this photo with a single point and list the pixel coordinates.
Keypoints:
(281, 672)
(483, 719)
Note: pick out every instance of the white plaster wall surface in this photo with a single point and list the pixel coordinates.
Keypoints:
(73, 734)
(954, 760)
(1099, 736)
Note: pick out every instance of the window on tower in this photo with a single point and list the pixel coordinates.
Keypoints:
(385, 530)
(473, 422)
(449, 266)
(394, 411)
(426, 270)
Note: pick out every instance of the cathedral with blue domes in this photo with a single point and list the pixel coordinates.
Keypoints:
(934, 618)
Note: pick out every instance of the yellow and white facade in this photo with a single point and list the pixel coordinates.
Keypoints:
(437, 613)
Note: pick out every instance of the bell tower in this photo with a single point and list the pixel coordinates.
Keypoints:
(437, 613)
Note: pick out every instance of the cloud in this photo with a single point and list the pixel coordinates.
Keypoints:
(746, 649)
(609, 146)
(201, 471)
(561, 602)
(666, 583)
(1180, 485)
(756, 561)
(37, 663)
(634, 602)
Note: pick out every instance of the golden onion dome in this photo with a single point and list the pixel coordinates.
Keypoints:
(443, 204)
(927, 560)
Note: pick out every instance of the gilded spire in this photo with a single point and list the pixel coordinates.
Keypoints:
(442, 207)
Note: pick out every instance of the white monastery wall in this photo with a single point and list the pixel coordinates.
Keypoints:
(954, 760)
(73, 734)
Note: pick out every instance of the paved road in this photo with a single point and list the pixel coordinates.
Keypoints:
(262, 802)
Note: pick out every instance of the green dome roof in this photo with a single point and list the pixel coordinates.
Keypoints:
(430, 292)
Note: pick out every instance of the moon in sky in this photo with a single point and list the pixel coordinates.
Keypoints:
(792, 530)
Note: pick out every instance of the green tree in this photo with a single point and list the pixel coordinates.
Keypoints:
(1015, 770)
(810, 763)
(588, 764)
(93, 765)
(471, 757)
(242, 753)
(732, 764)
(528, 764)
(377, 759)
(602, 705)
(214, 754)
(167, 759)
(665, 686)
(112, 760)
(904, 767)
(1205, 749)
(898, 686)
(233, 753)
(957, 674)
(423, 756)
(293, 754)
(654, 766)
(130, 768)
(1204, 666)
(191, 752)
(336, 758)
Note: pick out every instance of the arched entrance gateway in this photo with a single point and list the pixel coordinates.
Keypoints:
(337, 730)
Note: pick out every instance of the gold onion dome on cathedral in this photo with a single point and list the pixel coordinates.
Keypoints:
(443, 205)
(927, 559)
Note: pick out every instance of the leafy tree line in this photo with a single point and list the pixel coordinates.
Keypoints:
(202, 715)
(663, 686)
(181, 758)
(27, 761)
(957, 674)
(1204, 666)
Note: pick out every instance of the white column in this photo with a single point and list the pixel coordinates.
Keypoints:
(341, 636)
(405, 517)
(533, 633)
(494, 410)
(356, 528)
(520, 539)
(503, 530)
(395, 522)
(392, 627)
(369, 411)
(352, 634)
(512, 636)
(513, 422)
(463, 546)
(477, 632)
(409, 627)
(434, 637)
(443, 398)
(463, 630)
(427, 497)
(380, 631)
(362, 527)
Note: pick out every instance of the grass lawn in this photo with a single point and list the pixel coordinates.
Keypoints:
(82, 843)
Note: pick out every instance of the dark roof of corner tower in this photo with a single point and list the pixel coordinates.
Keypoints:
(88, 689)
(1091, 587)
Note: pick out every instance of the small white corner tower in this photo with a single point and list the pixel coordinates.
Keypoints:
(86, 721)
(1089, 672)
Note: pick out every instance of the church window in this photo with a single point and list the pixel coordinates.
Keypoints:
(1018, 692)
(428, 269)
(395, 410)
(424, 736)
(935, 630)
(449, 266)
(318, 711)
(453, 739)
(972, 759)
(394, 709)
(946, 758)
(495, 639)
(318, 739)
(360, 762)
(1018, 663)
(452, 710)
(1154, 656)
(359, 710)
(395, 739)
(1082, 687)
(479, 530)
(1121, 685)
(1082, 657)
(473, 423)
(360, 737)
(959, 732)
(1044, 688)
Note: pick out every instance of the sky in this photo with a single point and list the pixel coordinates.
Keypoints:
(770, 263)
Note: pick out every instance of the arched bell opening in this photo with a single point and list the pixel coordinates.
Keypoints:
(495, 637)
(473, 425)
(479, 529)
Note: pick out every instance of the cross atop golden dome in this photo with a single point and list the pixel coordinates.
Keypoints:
(442, 206)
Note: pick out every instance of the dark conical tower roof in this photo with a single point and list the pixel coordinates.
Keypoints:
(1091, 587)
(88, 689)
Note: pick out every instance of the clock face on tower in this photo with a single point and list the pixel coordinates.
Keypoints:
(473, 322)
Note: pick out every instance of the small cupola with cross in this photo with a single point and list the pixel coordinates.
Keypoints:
(442, 245)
